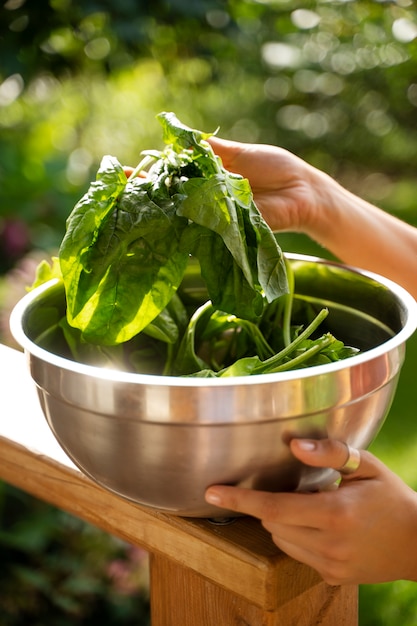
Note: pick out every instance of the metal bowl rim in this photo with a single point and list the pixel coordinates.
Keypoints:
(36, 351)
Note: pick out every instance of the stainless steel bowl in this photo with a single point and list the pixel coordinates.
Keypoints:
(161, 441)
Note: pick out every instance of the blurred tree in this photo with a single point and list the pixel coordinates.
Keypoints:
(333, 81)
(63, 36)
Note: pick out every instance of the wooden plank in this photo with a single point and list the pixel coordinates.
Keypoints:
(238, 560)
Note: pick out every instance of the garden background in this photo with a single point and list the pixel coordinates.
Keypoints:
(333, 81)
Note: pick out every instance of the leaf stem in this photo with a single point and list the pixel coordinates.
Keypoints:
(301, 358)
(277, 358)
(147, 160)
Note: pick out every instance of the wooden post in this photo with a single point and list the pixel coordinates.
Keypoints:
(181, 596)
(201, 574)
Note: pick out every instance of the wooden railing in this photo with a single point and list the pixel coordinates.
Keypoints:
(201, 574)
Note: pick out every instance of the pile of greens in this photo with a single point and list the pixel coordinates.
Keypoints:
(132, 244)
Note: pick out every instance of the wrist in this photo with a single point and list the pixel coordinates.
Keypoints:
(330, 206)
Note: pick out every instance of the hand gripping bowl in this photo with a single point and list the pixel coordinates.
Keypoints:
(161, 441)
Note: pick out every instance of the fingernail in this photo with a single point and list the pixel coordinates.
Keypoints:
(213, 497)
(307, 444)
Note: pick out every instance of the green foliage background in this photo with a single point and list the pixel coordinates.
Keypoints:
(333, 81)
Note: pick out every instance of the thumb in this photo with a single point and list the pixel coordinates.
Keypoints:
(334, 454)
(227, 150)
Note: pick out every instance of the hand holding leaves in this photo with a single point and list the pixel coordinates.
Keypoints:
(124, 261)
(128, 241)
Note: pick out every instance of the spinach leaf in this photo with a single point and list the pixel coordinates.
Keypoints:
(206, 202)
(82, 229)
(303, 351)
(187, 361)
(130, 271)
(47, 271)
(180, 136)
(227, 287)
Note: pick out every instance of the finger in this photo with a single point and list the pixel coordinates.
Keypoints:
(334, 454)
(247, 501)
(296, 509)
(223, 144)
(301, 525)
(228, 151)
(129, 171)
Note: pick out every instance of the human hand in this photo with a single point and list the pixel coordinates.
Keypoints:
(286, 189)
(362, 532)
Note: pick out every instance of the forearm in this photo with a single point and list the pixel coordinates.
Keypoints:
(362, 235)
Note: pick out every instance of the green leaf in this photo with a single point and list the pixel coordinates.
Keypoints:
(207, 203)
(272, 274)
(227, 287)
(242, 367)
(131, 272)
(175, 132)
(187, 361)
(83, 226)
(246, 335)
(169, 323)
(46, 272)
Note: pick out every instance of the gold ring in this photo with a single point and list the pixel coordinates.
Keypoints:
(352, 462)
